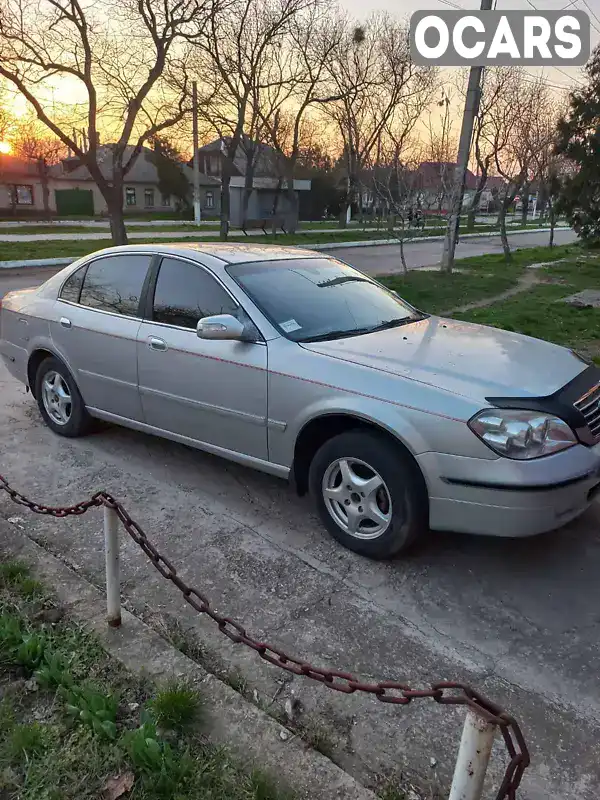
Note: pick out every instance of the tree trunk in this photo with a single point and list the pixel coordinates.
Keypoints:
(524, 207)
(552, 223)
(293, 203)
(43, 170)
(472, 215)
(503, 233)
(225, 202)
(403, 255)
(114, 204)
(248, 186)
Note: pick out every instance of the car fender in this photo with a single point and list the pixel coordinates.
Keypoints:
(45, 342)
(386, 416)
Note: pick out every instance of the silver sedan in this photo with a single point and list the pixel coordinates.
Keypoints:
(299, 365)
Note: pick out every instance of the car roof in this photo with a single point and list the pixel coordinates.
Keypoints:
(227, 252)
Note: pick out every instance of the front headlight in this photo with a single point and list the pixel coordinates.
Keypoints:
(522, 434)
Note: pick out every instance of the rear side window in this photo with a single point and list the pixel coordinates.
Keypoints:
(115, 283)
(186, 293)
(72, 286)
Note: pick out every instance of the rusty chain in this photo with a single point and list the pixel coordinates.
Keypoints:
(445, 693)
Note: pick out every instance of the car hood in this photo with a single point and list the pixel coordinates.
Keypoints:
(474, 361)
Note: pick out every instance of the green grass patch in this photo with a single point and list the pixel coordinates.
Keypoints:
(16, 251)
(475, 278)
(81, 722)
(541, 312)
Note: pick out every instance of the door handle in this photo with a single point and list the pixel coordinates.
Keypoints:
(66, 323)
(156, 344)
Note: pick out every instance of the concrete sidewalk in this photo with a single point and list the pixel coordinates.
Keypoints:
(325, 246)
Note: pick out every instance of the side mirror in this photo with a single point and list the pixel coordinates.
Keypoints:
(220, 326)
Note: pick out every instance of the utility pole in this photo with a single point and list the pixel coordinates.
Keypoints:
(464, 150)
(196, 160)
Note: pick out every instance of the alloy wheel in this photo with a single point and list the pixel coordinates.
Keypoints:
(56, 398)
(357, 498)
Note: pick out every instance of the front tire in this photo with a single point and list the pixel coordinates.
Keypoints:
(60, 402)
(370, 495)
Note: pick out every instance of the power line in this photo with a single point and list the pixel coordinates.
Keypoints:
(570, 77)
(534, 79)
(451, 4)
(593, 13)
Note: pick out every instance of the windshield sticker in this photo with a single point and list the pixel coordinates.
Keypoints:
(290, 326)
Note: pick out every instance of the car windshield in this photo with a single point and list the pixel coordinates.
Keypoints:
(319, 299)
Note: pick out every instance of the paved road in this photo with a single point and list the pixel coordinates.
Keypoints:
(518, 619)
(373, 260)
(386, 259)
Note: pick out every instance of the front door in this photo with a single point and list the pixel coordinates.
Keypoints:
(95, 329)
(213, 392)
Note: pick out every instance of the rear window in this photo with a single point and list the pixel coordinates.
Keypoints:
(72, 286)
(115, 283)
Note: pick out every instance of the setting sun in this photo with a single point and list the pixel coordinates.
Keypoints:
(5, 148)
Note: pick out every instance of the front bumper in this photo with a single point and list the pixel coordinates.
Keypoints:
(501, 497)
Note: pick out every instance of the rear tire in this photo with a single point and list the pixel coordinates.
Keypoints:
(369, 493)
(60, 402)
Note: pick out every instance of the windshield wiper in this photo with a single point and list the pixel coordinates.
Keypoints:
(393, 323)
(331, 335)
(324, 337)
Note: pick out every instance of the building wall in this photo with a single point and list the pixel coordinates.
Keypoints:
(6, 184)
(140, 206)
(260, 205)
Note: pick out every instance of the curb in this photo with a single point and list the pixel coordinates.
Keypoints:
(64, 262)
(232, 721)
(378, 242)
(38, 262)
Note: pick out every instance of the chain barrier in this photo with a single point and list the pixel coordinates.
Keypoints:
(444, 693)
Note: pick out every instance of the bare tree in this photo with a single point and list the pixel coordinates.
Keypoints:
(372, 73)
(549, 167)
(440, 148)
(236, 54)
(133, 83)
(32, 142)
(395, 182)
(301, 84)
(509, 137)
(496, 84)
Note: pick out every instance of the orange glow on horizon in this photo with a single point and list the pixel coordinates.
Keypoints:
(5, 148)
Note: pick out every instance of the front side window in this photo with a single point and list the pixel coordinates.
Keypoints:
(149, 198)
(115, 283)
(313, 299)
(130, 196)
(186, 293)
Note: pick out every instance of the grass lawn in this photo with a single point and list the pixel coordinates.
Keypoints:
(14, 251)
(74, 725)
(539, 311)
(479, 277)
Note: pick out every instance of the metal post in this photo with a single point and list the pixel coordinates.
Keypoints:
(464, 151)
(473, 758)
(111, 553)
(196, 158)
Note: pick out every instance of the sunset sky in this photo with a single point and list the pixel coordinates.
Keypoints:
(72, 90)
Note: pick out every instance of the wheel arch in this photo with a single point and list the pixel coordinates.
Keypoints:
(38, 354)
(323, 427)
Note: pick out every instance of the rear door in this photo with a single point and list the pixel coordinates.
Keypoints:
(95, 327)
(214, 392)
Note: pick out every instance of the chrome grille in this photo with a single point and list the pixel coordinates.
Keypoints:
(589, 405)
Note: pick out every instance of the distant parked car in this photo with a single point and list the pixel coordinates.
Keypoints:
(301, 366)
